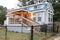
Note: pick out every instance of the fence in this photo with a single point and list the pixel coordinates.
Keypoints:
(39, 32)
(2, 33)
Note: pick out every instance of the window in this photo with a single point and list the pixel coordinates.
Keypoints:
(50, 18)
(31, 8)
(26, 8)
(39, 14)
(35, 6)
(40, 6)
(34, 18)
(39, 18)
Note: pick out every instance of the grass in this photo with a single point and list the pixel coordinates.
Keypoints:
(13, 35)
(20, 36)
(2, 34)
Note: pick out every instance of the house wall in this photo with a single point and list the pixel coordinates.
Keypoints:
(19, 29)
(43, 15)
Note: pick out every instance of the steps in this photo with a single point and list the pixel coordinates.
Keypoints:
(30, 21)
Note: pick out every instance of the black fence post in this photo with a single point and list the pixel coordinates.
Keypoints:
(53, 28)
(5, 32)
(58, 29)
(45, 31)
(31, 32)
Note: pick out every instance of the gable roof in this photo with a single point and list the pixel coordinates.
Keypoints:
(34, 7)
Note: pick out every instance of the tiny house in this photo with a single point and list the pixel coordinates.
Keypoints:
(24, 17)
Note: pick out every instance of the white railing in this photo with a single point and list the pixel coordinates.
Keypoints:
(11, 24)
(14, 25)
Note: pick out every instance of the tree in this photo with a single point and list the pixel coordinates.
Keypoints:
(24, 2)
(31, 2)
(56, 7)
(2, 14)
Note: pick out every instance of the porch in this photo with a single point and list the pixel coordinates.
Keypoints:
(21, 17)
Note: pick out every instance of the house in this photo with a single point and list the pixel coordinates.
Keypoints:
(21, 19)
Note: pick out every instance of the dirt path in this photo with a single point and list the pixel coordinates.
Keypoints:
(54, 38)
(58, 38)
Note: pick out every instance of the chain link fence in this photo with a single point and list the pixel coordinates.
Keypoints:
(39, 32)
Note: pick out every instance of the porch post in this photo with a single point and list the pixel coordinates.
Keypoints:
(14, 19)
(22, 23)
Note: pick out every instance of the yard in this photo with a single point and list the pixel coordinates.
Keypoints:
(21, 36)
(16, 36)
(13, 35)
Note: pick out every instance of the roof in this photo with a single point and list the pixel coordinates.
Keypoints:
(34, 7)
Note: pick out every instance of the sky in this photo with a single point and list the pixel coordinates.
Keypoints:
(9, 3)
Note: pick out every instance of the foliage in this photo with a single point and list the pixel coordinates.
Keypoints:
(24, 2)
(2, 14)
(56, 7)
(31, 2)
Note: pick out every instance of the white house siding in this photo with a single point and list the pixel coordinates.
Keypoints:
(43, 17)
(46, 12)
(19, 29)
(41, 14)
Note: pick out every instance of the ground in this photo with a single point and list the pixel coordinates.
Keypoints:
(25, 36)
(15, 35)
